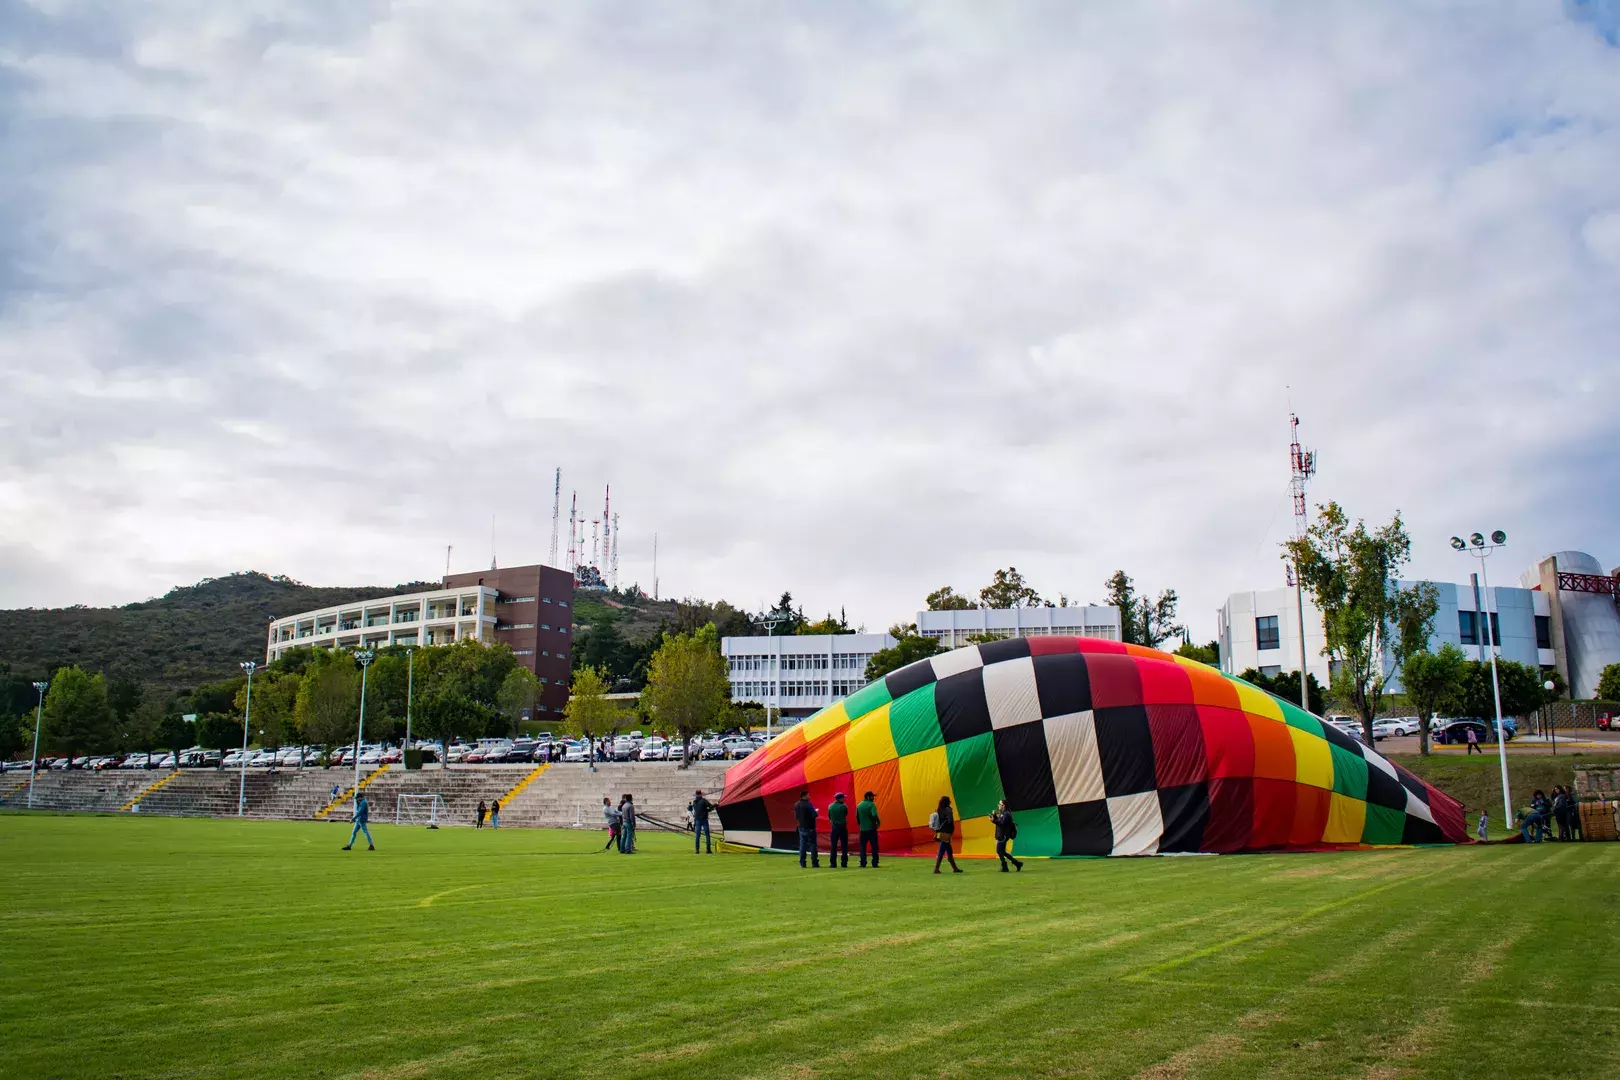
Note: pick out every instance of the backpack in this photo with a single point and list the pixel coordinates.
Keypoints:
(933, 821)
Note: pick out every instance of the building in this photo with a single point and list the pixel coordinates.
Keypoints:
(529, 608)
(953, 629)
(799, 674)
(1558, 618)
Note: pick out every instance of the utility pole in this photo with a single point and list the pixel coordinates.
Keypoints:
(365, 656)
(247, 724)
(39, 714)
(1302, 466)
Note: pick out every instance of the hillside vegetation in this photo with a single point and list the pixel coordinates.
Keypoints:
(192, 634)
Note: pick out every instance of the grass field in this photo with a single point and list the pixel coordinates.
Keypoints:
(151, 947)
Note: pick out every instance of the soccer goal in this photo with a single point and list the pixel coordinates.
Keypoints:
(426, 810)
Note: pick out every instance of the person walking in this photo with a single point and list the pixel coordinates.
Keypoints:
(867, 821)
(611, 816)
(804, 815)
(482, 810)
(838, 837)
(495, 814)
(1473, 742)
(627, 825)
(699, 809)
(943, 822)
(1006, 833)
(362, 814)
(1484, 822)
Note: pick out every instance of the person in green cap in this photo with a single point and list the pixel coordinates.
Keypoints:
(866, 819)
(838, 817)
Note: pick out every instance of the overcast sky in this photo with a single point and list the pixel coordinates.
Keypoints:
(850, 299)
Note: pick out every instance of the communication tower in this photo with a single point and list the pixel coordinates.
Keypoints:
(1302, 466)
(613, 554)
(556, 513)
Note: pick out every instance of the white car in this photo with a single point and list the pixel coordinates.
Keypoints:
(654, 749)
(574, 752)
(1396, 727)
(739, 748)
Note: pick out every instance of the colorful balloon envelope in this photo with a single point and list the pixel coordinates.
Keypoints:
(1098, 748)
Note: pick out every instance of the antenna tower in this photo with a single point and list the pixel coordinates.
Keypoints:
(556, 511)
(447, 548)
(613, 554)
(607, 522)
(1302, 466)
(573, 548)
(492, 541)
(655, 566)
(595, 543)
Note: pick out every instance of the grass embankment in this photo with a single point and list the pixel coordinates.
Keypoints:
(164, 947)
(1476, 780)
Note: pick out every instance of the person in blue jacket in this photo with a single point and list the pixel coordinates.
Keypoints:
(362, 814)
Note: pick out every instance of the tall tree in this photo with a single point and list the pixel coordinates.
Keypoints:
(1433, 682)
(907, 649)
(275, 707)
(788, 619)
(1008, 589)
(175, 734)
(1608, 687)
(946, 598)
(1353, 575)
(220, 731)
(77, 716)
(1205, 654)
(517, 695)
(1142, 620)
(327, 706)
(688, 685)
(589, 714)
(1285, 684)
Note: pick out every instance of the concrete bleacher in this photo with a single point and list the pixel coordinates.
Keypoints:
(561, 796)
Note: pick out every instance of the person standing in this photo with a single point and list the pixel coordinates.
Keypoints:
(611, 816)
(627, 825)
(1484, 821)
(943, 822)
(362, 814)
(495, 814)
(838, 837)
(867, 821)
(804, 815)
(699, 809)
(1473, 742)
(1006, 833)
(482, 810)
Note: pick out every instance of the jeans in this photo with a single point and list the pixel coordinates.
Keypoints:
(1473, 748)
(627, 838)
(1004, 855)
(495, 820)
(701, 836)
(360, 827)
(807, 846)
(944, 852)
(839, 838)
(869, 836)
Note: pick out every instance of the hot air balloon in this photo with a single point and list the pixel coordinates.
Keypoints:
(1098, 747)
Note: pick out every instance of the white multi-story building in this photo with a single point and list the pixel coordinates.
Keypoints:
(799, 674)
(439, 617)
(954, 628)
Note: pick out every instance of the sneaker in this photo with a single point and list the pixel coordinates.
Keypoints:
(371, 847)
(936, 869)
(345, 847)
(1018, 866)
(956, 869)
(1003, 869)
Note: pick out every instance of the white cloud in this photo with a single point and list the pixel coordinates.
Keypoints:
(852, 301)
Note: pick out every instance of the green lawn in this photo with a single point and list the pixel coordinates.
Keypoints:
(151, 947)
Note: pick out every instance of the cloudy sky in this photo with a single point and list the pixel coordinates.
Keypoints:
(851, 299)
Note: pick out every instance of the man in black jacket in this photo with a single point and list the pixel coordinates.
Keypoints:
(1006, 833)
(700, 807)
(804, 814)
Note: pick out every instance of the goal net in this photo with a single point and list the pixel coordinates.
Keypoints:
(426, 810)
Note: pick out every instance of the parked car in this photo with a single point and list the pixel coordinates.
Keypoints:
(574, 751)
(1608, 722)
(1395, 727)
(624, 748)
(739, 748)
(167, 761)
(1453, 731)
(654, 749)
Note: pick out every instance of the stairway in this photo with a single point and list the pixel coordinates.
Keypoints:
(77, 790)
(568, 794)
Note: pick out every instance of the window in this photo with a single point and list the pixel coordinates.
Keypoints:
(521, 600)
(1543, 632)
(545, 599)
(524, 652)
(517, 626)
(1271, 671)
(562, 603)
(1496, 629)
(1467, 629)
(545, 626)
(1265, 633)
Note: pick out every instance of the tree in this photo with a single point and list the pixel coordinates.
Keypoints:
(945, 598)
(219, 731)
(517, 695)
(1008, 589)
(448, 713)
(1142, 621)
(15, 733)
(787, 619)
(688, 685)
(589, 714)
(1608, 687)
(907, 649)
(327, 705)
(1433, 683)
(829, 625)
(124, 696)
(1353, 576)
(174, 733)
(1285, 685)
(275, 706)
(77, 716)
(139, 729)
(1205, 654)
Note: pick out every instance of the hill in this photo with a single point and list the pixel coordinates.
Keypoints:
(192, 634)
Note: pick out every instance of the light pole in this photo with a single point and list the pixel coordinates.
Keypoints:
(1479, 549)
(39, 714)
(410, 692)
(772, 619)
(365, 656)
(1552, 720)
(247, 721)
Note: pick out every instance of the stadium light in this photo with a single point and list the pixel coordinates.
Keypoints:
(365, 656)
(1482, 551)
(247, 720)
(33, 766)
(410, 691)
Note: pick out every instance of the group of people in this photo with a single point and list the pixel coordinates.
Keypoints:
(1561, 808)
(494, 812)
(942, 823)
(621, 823)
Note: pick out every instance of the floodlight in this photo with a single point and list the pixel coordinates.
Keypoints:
(1478, 540)
(1457, 542)
(40, 686)
(1498, 537)
(248, 666)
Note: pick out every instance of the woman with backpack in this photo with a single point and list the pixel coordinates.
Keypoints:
(943, 822)
(1006, 833)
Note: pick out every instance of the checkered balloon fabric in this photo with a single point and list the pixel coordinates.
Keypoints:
(1098, 748)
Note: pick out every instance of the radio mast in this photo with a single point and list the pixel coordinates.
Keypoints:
(556, 512)
(1302, 466)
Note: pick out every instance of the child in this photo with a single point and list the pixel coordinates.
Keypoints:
(1483, 821)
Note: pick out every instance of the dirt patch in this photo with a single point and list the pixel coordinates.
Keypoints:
(1183, 1062)
(431, 1066)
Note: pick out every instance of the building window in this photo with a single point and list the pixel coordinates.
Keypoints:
(1496, 629)
(545, 599)
(517, 626)
(1265, 633)
(1543, 632)
(545, 626)
(521, 600)
(562, 603)
(524, 652)
(1467, 628)
(1271, 671)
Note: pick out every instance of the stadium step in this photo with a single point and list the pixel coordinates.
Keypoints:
(351, 793)
(534, 774)
(131, 804)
